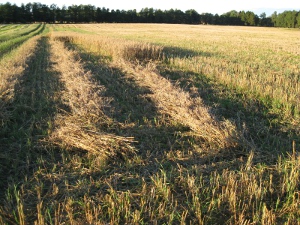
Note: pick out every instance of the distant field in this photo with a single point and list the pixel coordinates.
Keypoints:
(149, 124)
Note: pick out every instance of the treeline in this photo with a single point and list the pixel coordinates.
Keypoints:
(37, 12)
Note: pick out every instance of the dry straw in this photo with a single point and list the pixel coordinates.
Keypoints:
(169, 186)
(171, 100)
(138, 61)
(81, 127)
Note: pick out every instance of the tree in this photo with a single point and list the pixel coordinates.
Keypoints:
(251, 18)
(40, 13)
(99, 15)
(192, 16)
(298, 20)
(286, 19)
(62, 14)
(6, 13)
(131, 16)
(53, 11)
(274, 18)
(233, 18)
(37, 12)
(88, 13)
(206, 18)
(159, 16)
(291, 19)
(73, 13)
(265, 21)
(16, 14)
(147, 15)
(262, 18)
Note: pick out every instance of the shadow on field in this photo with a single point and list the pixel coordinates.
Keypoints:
(31, 112)
(161, 143)
(60, 186)
(252, 117)
(132, 106)
(159, 139)
(171, 51)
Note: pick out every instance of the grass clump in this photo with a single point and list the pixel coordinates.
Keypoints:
(142, 52)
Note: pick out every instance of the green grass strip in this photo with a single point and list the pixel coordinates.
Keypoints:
(12, 28)
(9, 27)
(7, 46)
(19, 32)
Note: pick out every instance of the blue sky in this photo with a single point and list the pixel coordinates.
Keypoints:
(211, 6)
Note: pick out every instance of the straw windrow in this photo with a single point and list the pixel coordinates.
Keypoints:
(81, 127)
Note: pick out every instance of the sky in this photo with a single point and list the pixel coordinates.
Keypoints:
(201, 6)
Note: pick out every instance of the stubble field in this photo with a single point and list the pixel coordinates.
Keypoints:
(149, 124)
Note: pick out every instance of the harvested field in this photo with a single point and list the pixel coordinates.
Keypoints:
(149, 124)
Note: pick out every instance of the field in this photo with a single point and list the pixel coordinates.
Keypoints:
(149, 124)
